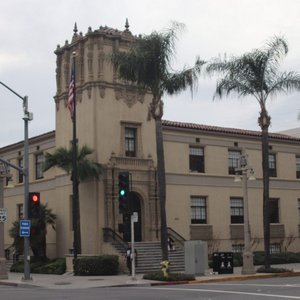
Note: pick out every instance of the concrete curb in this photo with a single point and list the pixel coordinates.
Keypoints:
(246, 277)
(9, 283)
(230, 278)
(165, 283)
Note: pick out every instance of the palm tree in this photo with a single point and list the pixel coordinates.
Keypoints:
(257, 74)
(148, 64)
(62, 158)
(37, 235)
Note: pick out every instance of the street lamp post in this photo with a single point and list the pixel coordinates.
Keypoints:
(27, 117)
(247, 174)
(3, 175)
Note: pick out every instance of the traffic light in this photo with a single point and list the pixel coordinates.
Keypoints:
(34, 205)
(123, 191)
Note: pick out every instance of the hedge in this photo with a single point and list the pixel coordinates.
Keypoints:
(96, 265)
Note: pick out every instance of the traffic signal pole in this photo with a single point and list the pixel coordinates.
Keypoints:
(26, 193)
(28, 116)
(133, 219)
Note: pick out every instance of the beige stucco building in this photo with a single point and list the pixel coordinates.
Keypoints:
(203, 201)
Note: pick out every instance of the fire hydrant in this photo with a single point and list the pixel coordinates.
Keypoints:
(165, 267)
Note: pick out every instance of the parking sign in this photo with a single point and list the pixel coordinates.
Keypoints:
(24, 228)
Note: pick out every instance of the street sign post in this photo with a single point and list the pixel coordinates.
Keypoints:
(133, 219)
(24, 228)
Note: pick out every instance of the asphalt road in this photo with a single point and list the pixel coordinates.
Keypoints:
(275, 288)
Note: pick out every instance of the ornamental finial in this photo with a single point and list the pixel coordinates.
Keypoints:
(75, 29)
(126, 25)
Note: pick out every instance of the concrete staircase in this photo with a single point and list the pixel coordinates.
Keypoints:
(149, 257)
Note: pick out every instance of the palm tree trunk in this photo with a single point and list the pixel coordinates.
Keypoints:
(161, 177)
(264, 123)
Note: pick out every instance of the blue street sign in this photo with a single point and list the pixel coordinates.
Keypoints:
(24, 228)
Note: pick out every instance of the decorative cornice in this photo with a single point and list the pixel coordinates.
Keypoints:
(130, 95)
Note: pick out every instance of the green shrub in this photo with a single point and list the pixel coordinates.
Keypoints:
(272, 270)
(97, 265)
(172, 276)
(55, 266)
(277, 258)
(237, 259)
(17, 267)
(293, 257)
(259, 258)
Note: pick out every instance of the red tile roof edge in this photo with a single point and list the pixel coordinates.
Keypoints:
(226, 130)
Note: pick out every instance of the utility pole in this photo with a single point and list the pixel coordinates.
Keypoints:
(27, 117)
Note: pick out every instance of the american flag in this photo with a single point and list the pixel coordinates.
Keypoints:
(71, 93)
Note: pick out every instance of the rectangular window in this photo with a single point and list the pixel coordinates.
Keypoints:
(297, 166)
(272, 165)
(199, 210)
(237, 210)
(130, 141)
(237, 248)
(20, 211)
(197, 159)
(20, 176)
(39, 163)
(233, 161)
(275, 248)
(274, 210)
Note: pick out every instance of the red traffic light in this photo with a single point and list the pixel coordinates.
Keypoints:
(35, 198)
(34, 208)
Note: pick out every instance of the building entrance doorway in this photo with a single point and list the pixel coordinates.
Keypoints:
(134, 205)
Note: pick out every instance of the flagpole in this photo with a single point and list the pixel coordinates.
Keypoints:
(75, 183)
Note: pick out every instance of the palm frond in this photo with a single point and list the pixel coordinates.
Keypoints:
(148, 63)
(254, 73)
(228, 86)
(89, 169)
(276, 49)
(285, 82)
(61, 158)
(176, 82)
(83, 152)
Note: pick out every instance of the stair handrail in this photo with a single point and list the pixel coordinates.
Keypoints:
(176, 236)
(110, 235)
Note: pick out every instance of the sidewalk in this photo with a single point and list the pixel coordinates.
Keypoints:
(68, 281)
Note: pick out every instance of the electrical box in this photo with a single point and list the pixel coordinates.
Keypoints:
(195, 257)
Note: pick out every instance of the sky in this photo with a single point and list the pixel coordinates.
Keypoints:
(30, 30)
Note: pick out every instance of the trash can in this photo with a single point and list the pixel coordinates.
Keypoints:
(223, 262)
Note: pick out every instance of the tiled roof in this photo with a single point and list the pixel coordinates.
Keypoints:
(226, 130)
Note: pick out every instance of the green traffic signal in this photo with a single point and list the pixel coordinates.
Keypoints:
(122, 193)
